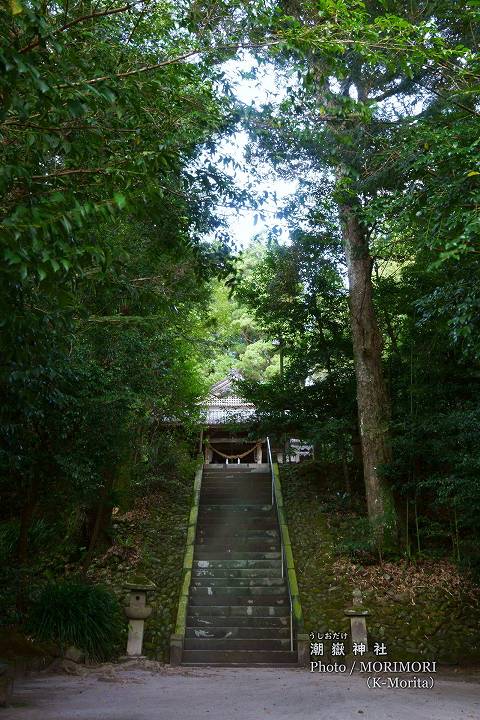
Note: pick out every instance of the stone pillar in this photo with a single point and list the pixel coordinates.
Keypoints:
(176, 649)
(358, 620)
(6, 683)
(137, 612)
(303, 649)
(258, 453)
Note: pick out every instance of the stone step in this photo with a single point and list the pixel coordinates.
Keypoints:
(236, 483)
(233, 480)
(236, 478)
(237, 523)
(236, 545)
(235, 536)
(237, 475)
(237, 599)
(270, 529)
(238, 564)
(239, 622)
(240, 482)
(247, 508)
(237, 644)
(245, 533)
(248, 657)
(267, 581)
(253, 495)
(258, 633)
(231, 499)
(268, 537)
(264, 543)
(224, 611)
(209, 554)
(238, 591)
(234, 518)
(235, 531)
(257, 494)
(238, 608)
(231, 507)
(232, 486)
(237, 574)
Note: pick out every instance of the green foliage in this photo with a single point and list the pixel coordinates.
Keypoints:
(75, 94)
(358, 541)
(149, 539)
(114, 316)
(166, 464)
(75, 613)
(297, 297)
(392, 134)
(105, 193)
(41, 536)
(425, 608)
(237, 339)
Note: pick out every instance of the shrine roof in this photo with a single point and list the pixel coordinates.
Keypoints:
(223, 406)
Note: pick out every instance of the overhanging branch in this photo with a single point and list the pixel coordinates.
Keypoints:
(91, 16)
(170, 61)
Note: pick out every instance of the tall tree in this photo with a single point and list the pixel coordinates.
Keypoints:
(361, 68)
(100, 113)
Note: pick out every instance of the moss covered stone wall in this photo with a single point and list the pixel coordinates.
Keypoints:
(427, 609)
(149, 541)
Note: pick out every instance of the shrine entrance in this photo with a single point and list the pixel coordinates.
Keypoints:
(228, 435)
(234, 450)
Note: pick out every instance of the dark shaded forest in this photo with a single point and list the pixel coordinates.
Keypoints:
(123, 296)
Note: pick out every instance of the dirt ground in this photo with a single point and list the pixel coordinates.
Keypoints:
(152, 691)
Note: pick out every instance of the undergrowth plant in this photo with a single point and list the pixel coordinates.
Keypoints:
(74, 613)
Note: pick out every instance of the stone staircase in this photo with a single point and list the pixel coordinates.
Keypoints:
(239, 608)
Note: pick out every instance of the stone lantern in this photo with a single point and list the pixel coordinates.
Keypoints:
(137, 612)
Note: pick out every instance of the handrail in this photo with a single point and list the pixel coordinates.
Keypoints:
(282, 548)
(270, 462)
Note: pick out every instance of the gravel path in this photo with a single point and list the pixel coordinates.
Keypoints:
(156, 692)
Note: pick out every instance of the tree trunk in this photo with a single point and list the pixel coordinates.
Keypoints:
(372, 397)
(346, 474)
(26, 518)
(103, 515)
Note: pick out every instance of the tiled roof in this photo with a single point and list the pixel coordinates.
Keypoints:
(225, 410)
(230, 401)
